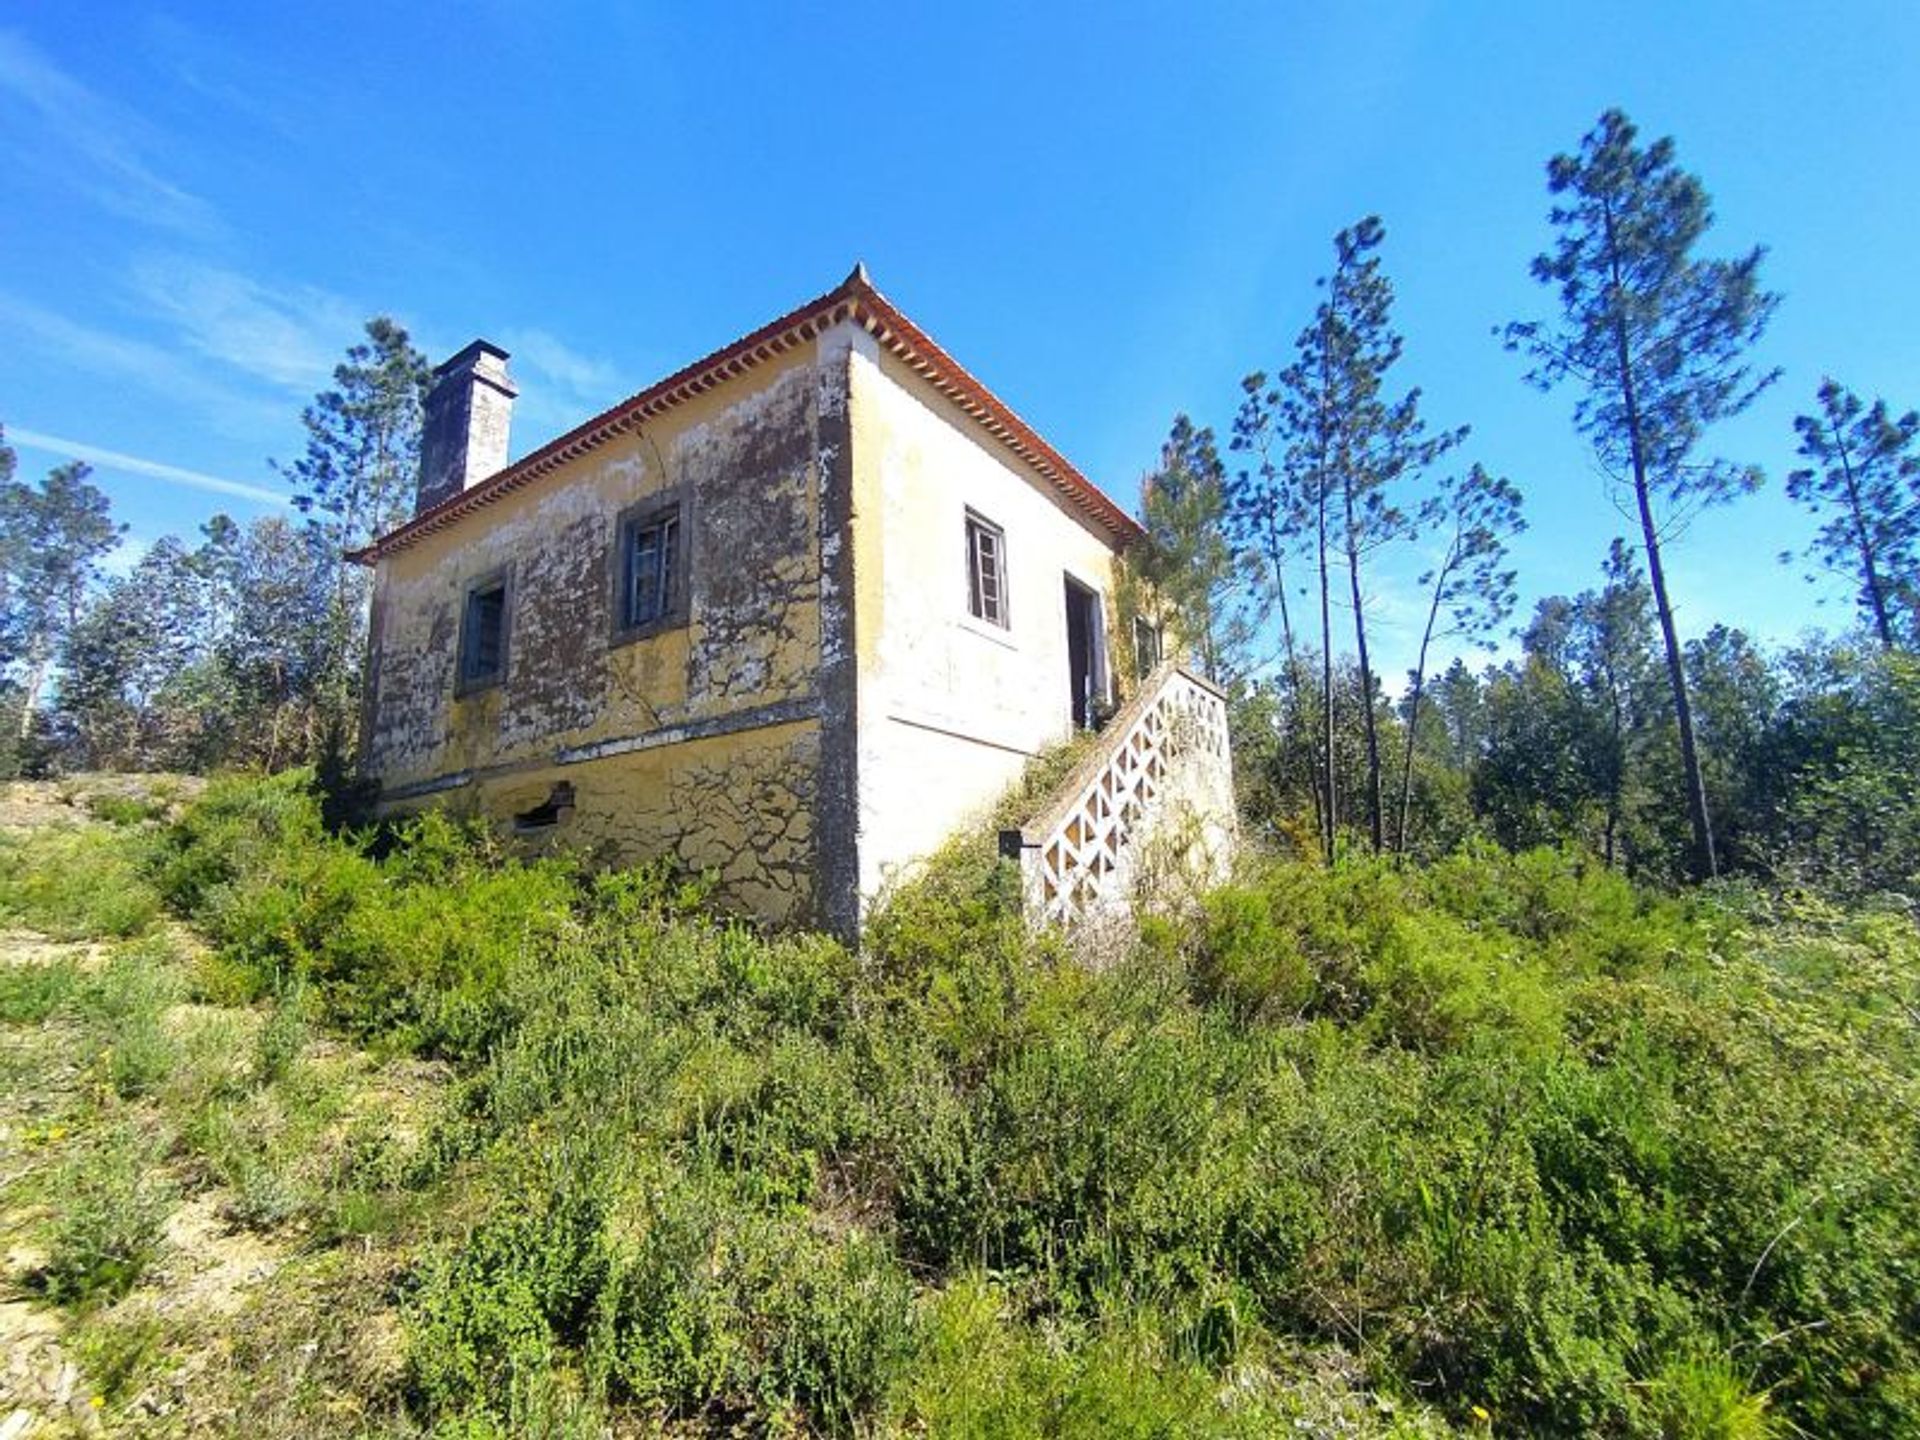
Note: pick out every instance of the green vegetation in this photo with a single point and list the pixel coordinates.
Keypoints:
(1504, 1144)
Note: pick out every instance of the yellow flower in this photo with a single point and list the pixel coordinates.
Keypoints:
(1480, 1414)
(98, 1402)
(58, 1132)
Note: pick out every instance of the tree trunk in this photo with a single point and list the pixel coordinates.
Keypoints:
(1366, 671)
(1295, 686)
(1332, 812)
(1869, 563)
(1413, 706)
(1705, 863)
(1617, 776)
(1325, 424)
(30, 699)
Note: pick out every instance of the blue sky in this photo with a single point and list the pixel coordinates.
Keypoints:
(1109, 214)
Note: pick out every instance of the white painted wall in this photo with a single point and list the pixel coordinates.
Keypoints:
(950, 707)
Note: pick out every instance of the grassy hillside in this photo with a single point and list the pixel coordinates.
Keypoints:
(303, 1141)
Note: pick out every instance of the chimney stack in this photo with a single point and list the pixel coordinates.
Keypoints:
(468, 411)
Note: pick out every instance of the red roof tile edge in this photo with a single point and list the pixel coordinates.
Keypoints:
(853, 299)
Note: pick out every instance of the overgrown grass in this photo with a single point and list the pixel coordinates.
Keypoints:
(78, 883)
(1500, 1144)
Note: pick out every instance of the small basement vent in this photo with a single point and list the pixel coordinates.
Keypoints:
(558, 805)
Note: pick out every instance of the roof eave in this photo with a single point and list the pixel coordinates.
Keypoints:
(853, 299)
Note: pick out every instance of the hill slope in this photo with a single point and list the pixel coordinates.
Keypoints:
(1501, 1145)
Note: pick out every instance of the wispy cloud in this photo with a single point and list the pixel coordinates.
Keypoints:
(151, 469)
(262, 91)
(559, 387)
(93, 145)
(289, 337)
(109, 356)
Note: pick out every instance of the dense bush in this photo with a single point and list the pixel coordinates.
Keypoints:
(1500, 1142)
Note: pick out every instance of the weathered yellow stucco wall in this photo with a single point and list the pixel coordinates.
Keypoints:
(951, 708)
(739, 807)
(702, 741)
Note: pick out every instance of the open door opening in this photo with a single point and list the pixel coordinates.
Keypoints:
(1085, 669)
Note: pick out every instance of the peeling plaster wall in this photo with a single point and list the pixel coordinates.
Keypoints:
(951, 708)
(703, 740)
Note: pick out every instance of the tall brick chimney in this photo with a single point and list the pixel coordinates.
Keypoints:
(468, 411)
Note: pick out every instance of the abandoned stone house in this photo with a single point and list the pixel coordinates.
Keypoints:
(792, 616)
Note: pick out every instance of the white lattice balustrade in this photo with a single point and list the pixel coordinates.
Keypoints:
(1162, 773)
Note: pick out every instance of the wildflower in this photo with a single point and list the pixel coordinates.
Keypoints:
(1480, 1414)
(58, 1132)
(98, 1402)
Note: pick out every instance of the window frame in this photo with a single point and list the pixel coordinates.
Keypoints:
(465, 681)
(654, 510)
(975, 525)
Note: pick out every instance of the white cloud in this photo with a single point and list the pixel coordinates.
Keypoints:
(561, 365)
(155, 368)
(559, 387)
(91, 144)
(150, 469)
(291, 338)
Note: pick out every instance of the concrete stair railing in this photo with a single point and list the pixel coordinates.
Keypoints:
(1160, 781)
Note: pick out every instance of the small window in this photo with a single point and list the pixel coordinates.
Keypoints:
(483, 634)
(986, 571)
(1146, 646)
(652, 586)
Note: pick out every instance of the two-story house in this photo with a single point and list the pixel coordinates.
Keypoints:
(792, 615)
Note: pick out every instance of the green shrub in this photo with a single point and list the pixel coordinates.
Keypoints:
(120, 809)
(111, 1210)
(117, 1351)
(126, 1003)
(1703, 1397)
(30, 993)
(675, 1293)
(237, 828)
(278, 1045)
(488, 1315)
(1248, 959)
(714, 1304)
(243, 1148)
(982, 1374)
(1505, 1133)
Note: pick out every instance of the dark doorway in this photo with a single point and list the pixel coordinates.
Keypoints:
(1083, 645)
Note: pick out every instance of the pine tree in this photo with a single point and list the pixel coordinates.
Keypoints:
(1865, 476)
(356, 481)
(1351, 445)
(1187, 559)
(1654, 339)
(275, 649)
(1472, 593)
(1266, 515)
(1310, 399)
(140, 683)
(52, 539)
